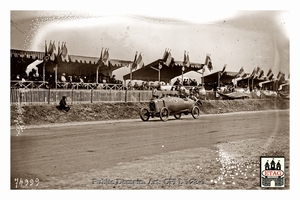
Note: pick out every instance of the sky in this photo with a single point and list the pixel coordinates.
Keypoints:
(246, 38)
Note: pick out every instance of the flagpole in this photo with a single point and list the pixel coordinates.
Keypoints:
(159, 75)
(218, 79)
(56, 76)
(131, 73)
(97, 70)
(44, 69)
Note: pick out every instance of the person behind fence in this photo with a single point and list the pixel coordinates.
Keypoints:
(63, 104)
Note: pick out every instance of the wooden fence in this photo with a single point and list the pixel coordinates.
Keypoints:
(53, 96)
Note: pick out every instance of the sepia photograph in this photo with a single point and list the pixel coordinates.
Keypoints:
(150, 101)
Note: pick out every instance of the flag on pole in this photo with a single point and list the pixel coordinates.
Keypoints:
(169, 59)
(203, 70)
(165, 54)
(58, 58)
(106, 57)
(186, 59)
(280, 76)
(139, 62)
(50, 48)
(100, 61)
(261, 74)
(258, 72)
(65, 53)
(53, 55)
(223, 70)
(253, 73)
(134, 64)
(240, 73)
(46, 57)
(270, 75)
(208, 62)
(46, 52)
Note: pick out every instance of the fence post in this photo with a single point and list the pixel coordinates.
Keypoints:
(20, 96)
(49, 95)
(139, 96)
(72, 96)
(91, 95)
(31, 95)
(125, 96)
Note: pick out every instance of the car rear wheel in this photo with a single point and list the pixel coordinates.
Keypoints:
(144, 114)
(164, 114)
(195, 112)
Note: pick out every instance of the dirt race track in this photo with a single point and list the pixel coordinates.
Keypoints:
(213, 152)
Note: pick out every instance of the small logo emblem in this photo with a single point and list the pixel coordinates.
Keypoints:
(272, 171)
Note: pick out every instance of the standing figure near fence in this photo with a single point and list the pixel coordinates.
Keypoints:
(63, 104)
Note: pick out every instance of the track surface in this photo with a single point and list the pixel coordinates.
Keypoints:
(62, 150)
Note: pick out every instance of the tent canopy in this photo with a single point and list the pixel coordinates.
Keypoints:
(150, 71)
(224, 78)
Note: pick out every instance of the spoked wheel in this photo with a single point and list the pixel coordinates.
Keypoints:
(164, 114)
(144, 114)
(177, 116)
(195, 112)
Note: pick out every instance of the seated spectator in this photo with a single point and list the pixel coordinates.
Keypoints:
(63, 104)
(177, 82)
(113, 79)
(63, 77)
(136, 86)
(129, 86)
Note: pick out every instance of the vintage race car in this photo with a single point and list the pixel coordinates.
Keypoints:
(166, 106)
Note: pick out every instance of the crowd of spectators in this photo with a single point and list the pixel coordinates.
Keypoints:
(66, 81)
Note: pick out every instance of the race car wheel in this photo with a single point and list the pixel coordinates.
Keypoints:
(195, 112)
(177, 116)
(144, 114)
(164, 114)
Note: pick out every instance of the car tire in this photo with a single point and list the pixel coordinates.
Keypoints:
(195, 112)
(164, 114)
(144, 114)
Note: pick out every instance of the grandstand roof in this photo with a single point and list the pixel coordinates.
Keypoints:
(79, 60)
(148, 72)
